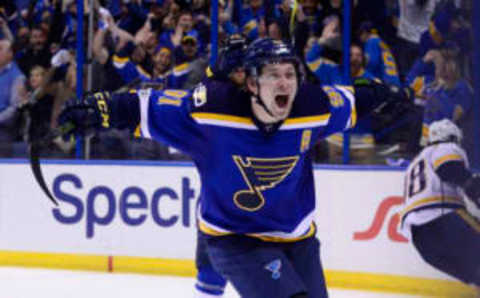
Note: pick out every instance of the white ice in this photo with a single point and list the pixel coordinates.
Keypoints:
(41, 283)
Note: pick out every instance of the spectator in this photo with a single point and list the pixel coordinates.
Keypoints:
(36, 53)
(11, 78)
(162, 65)
(41, 110)
(108, 39)
(44, 102)
(413, 21)
(447, 24)
(324, 55)
(313, 15)
(379, 59)
(362, 140)
(21, 39)
(188, 49)
(357, 63)
(275, 30)
(172, 38)
(185, 56)
(422, 75)
(449, 96)
(294, 30)
(374, 11)
(5, 31)
(252, 19)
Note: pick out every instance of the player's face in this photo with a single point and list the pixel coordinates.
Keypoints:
(277, 88)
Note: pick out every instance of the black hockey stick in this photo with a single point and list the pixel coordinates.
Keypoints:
(35, 146)
(34, 154)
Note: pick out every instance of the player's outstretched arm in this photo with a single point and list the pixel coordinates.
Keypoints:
(375, 97)
(101, 111)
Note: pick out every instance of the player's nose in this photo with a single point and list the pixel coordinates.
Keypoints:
(282, 83)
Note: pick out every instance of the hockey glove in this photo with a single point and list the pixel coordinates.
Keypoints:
(229, 58)
(88, 116)
(382, 100)
(472, 188)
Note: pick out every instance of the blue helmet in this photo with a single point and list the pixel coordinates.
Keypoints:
(265, 51)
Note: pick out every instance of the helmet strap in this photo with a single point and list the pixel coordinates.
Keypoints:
(259, 100)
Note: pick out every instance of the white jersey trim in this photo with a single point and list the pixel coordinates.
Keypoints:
(144, 100)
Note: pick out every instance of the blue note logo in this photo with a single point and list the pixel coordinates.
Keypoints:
(260, 174)
(275, 267)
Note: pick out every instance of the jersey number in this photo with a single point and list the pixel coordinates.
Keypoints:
(416, 179)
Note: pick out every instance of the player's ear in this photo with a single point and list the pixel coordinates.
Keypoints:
(252, 85)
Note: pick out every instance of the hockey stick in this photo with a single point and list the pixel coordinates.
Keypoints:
(35, 146)
(34, 153)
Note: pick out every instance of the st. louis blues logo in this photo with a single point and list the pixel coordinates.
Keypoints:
(275, 267)
(260, 174)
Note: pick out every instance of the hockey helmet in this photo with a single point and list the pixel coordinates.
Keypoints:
(265, 51)
(444, 131)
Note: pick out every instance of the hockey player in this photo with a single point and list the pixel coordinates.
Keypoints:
(435, 216)
(251, 148)
(228, 67)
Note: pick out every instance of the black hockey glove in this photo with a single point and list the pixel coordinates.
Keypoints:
(87, 116)
(229, 58)
(381, 99)
(472, 189)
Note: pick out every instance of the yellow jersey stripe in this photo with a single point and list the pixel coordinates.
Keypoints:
(425, 130)
(292, 123)
(436, 36)
(469, 219)
(143, 71)
(417, 85)
(181, 67)
(209, 231)
(249, 26)
(173, 102)
(353, 116)
(212, 232)
(430, 200)
(314, 65)
(120, 60)
(308, 234)
(445, 159)
(298, 120)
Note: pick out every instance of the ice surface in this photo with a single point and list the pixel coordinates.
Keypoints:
(16, 282)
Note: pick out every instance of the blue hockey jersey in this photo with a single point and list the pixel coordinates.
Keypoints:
(253, 183)
(380, 61)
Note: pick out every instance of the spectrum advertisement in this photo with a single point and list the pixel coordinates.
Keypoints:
(149, 211)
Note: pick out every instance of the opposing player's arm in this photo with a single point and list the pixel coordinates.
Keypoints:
(455, 172)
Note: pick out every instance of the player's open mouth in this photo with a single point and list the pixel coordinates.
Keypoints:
(281, 100)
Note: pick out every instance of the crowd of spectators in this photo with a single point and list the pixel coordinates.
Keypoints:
(165, 44)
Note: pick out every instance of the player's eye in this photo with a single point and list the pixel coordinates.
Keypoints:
(290, 75)
(272, 76)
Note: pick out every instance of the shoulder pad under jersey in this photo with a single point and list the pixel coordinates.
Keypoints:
(311, 100)
(219, 97)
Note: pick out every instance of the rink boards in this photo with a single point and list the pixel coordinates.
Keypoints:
(139, 217)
